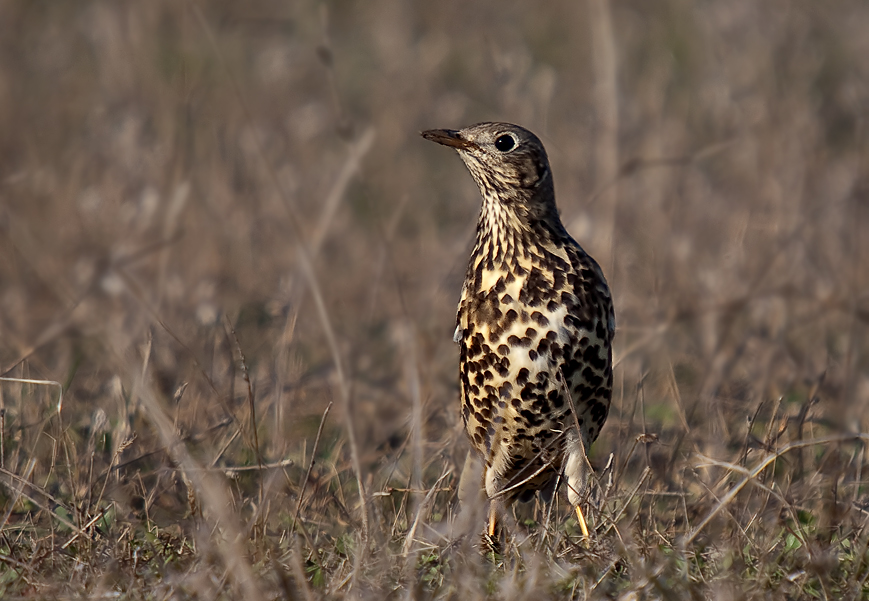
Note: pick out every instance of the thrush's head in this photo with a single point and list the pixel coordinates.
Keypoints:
(508, 163)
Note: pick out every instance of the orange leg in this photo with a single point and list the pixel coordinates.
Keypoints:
(493, 521)
(581, 519)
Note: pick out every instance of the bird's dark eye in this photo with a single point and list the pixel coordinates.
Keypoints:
(505, 143)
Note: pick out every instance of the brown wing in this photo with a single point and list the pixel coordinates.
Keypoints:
(591, 321)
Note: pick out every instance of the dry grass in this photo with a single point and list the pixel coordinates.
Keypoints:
(217, 219)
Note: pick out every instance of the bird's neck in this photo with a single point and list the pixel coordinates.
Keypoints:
(518, 221)
(510, 239)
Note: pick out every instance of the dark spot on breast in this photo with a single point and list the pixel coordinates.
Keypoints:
(598, 412)
(600, 330)
(591, 377)
(574, 322)
(531, 332)
(582, 392)
(569, 367)
(539, 318)
(541, 406)
(532, 354)
(503, 349)
(592, 357)
(558, 280)
(522, 376)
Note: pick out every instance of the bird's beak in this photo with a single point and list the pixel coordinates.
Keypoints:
(448, 137)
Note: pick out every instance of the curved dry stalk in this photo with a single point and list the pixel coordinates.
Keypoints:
(758, 469)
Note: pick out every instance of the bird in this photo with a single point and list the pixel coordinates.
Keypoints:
(535, 326)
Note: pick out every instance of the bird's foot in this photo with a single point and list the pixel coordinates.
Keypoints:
(491, 547)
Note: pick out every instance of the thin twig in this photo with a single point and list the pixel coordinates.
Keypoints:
(408, 541)
(90, 523)
(58, 405)
(237, 469)
(643, 477)
(345, 394)
(250, 399)
(311, 464)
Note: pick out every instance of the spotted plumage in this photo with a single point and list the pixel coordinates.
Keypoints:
(535, 324)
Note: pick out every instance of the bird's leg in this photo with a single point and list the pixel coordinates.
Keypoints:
(493, 521)
(492, 539)
(581, 519)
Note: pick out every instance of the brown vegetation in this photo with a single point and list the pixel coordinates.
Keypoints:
(217, 218)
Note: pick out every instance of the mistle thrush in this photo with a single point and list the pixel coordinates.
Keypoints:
(535, 324)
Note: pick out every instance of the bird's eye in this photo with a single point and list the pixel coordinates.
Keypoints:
(505, 143)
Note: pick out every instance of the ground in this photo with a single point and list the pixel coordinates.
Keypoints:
(229, 268)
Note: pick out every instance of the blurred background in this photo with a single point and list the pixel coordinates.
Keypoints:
(183, 183)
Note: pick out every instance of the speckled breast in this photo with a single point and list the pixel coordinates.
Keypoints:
(530, 335)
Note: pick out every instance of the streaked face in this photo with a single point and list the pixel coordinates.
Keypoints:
(504, 159)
